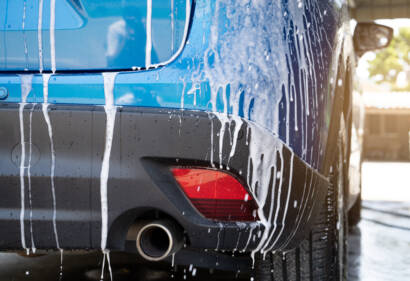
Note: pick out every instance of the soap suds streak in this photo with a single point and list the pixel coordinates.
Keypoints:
(40, 35)
(110, 112)
(45, 105)
(244, 65)
(148, 44)
(52, 35)
(172, 25)
(262, 155)
(278, 205)
(26, 84)
(252, 227)
(106, 258)
(221, 226)
(23, 26)
(61, 264)
(211, 155)
(287, 202)
(302, 206)
(33, 247)
(103, 266)
(109, 265)
(238, 125)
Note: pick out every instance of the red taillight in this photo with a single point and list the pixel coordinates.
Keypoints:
(216, 195)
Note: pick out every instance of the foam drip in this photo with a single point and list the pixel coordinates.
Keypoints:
(52, 35)
(26, 84)
(148, 45)
(110, 111)
(45, 105)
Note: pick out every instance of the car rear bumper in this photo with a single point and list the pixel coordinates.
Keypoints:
(146, 143)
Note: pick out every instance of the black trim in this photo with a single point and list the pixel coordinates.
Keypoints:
(338, 104)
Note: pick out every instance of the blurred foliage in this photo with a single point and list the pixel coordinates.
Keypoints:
(389, 62)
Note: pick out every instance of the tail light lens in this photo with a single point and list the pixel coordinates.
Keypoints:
(216, 195)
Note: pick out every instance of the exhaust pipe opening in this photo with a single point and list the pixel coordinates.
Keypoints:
(155, 241)
(158, 240)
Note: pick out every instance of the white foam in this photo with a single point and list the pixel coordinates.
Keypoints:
(109, 264)
(218, 236)
(148, 44)
(106, 258)
(61, 263)
(103, 266)
(237, 62)
(172, 26)
(286, 204)
(52, 35)
(26, 84)
(266, 247)
(211, 156)
(110, 111)
(238, 125)
(33, 247)
(40, 35)
(45, 105)
(252, 228)
(23, 25)
(257, 59)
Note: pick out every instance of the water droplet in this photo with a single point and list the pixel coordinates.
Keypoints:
(246, 197)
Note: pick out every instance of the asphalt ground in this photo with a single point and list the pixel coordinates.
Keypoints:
(379, 247)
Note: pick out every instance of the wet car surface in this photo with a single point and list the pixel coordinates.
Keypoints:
(378, 250)
(379, 247)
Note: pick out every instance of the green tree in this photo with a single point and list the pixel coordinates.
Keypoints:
(394, 59)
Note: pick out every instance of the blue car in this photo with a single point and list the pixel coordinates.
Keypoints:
(220, 134)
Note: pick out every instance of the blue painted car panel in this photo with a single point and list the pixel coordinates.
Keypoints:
(282, 80)
(275, 64)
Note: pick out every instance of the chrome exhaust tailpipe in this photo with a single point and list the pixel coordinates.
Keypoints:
(157, 240)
